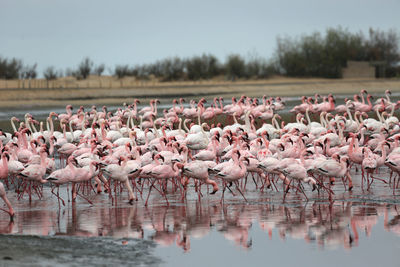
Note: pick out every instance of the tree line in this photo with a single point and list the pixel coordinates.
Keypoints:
(312, 55)
(318, 55)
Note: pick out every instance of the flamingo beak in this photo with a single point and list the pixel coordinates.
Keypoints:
(314, 187)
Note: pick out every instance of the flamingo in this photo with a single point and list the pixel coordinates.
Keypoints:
(333, 168)
(197, 141)
(233, 172)
(3, 195)
(36, 172)
(82, 175)
(118, 173)
(62, 176)
(364, 107)
(297, 171)
(199, 169)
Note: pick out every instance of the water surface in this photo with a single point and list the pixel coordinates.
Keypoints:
(359, 228)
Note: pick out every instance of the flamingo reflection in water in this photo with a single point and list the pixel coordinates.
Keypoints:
(113, 150)
(341, 224)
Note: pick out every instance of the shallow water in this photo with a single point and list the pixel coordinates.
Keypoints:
(356, 228)
(41, 114)
(359, 228)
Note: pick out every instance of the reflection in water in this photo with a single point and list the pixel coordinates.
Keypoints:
(328, 225)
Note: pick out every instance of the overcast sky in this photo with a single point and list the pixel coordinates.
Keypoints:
(62, 32)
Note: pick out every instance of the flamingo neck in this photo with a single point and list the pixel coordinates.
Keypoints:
(308, 117)
(220, 103)
(4, 159)
(341, 128)
(234, 118)
(155, 128)
(24, 140)
(64, 131)
(349, 113)
(392, 111)
(362, 98)
(331, 103)
(70, 129)
(379, 115)
(199, 112)
(43, 159)
(352, 143)
(27, 123)
(247, 121)
(176, 169)
(13, 125)
(369, 101)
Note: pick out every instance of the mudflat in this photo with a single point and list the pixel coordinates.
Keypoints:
(40, 97)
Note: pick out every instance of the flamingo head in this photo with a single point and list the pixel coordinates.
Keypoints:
(246, 159)
(179, 165)
(27, 131)
(346, 159)
(281, 147)
(44, 149)
(42, 138)
(5, 153)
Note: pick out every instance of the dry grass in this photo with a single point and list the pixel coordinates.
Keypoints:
(108, 90)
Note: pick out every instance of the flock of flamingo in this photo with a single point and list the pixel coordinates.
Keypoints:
(218, 146)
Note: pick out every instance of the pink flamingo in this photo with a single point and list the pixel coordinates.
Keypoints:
(364, 107)
(198, 169)
(82, 175)
(66, 116)
(232, 172)
(3, 195)
(147, 108)
(35, 172)
(118, 173)
(62, 176)
(302, 107)
(297, 171)
(163, 172)
(343, 108)
(333, 168)
(4, 166)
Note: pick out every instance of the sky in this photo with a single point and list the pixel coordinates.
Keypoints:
(61, 33)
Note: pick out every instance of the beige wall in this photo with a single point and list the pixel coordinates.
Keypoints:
(358, 69)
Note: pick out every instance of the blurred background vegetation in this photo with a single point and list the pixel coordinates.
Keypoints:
(314, 55)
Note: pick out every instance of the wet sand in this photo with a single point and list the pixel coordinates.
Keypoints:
(16, 250)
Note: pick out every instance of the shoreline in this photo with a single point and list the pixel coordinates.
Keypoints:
(285, 87)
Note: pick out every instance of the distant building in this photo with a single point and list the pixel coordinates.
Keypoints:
(380, 68)
(358, 69)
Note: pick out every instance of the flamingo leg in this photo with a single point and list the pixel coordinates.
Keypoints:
(58, 196)
(240, 191)
(151, 186)
(85, 198)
